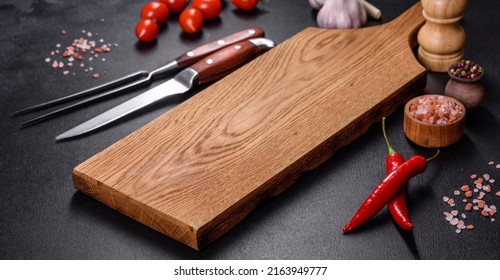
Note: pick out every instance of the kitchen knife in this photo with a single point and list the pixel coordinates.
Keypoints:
(212, 68)
(143, 78)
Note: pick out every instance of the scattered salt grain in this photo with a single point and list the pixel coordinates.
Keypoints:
(468, 207)
(448, 216)
(79, 49)
(451, 202)
(458, 230)
(445, 198)
(491, 162)
(486, 176)
(454, 221)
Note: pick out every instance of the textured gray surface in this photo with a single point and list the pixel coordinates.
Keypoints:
(43, 217)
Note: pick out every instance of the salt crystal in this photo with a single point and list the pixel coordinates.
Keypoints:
(456, 192)
(497, 193)
(492, 219)
(473, 176)
(468, 207)
(491, 162)
(454, 212)
(454, 221)
(491, 180)
(463, 215)
(498, 165)
(451, 202)
(445, 198)
(458, 230)
(66, 72)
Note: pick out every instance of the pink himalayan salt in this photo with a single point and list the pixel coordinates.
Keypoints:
(435, 110)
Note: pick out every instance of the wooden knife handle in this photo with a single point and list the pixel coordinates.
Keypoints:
(202, 51)
(223, 62)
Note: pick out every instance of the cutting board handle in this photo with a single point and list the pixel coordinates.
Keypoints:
(408, 23)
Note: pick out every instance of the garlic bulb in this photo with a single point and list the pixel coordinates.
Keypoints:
(316, 4)
(341, 14)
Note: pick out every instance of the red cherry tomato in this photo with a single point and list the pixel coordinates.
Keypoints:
(155, 10)
(175, 6)
(191, 20)
(246, 5)
(209, 8)
(146, 30)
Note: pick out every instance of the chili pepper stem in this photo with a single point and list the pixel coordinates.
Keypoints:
(389, 147)
(433, 157)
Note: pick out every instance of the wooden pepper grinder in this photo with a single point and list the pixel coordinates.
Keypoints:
(441, 38)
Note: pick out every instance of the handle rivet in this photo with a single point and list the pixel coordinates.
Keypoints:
(190, 53)
(251, 31)
(237, 47)
(209, 61)
(221, 42)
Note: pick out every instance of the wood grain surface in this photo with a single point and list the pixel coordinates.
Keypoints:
(199, 169)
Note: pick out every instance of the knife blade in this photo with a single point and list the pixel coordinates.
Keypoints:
(142, 77)
(212, 68)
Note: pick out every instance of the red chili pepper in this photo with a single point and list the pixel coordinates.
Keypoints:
(397, 205)
(386, 190)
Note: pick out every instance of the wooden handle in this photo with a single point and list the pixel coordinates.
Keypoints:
(223, 62)
(200, 52)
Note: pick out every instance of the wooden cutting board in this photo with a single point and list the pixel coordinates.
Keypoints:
(199, 169)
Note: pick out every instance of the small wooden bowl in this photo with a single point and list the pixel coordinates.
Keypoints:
(433, 135)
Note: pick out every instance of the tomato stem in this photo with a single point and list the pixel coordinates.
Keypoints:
(389, 147)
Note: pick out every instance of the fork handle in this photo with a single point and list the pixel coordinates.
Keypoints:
(202, 51)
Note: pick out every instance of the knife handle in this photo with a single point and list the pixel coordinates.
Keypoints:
(200, 52)
(225, 61)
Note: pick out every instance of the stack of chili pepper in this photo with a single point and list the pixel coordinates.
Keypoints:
(392, 190)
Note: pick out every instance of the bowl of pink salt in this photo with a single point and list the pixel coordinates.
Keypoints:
(434, 121)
